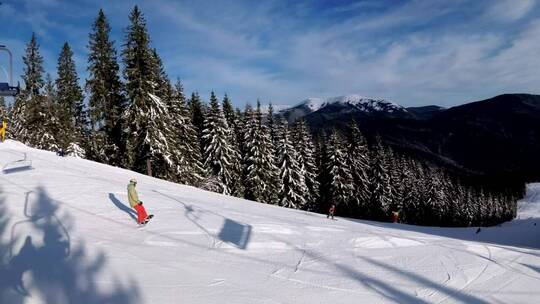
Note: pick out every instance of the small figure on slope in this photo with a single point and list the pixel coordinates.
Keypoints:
(395, 216)
(61, 152)
(3, 130)
(135, 203)
(331, 211)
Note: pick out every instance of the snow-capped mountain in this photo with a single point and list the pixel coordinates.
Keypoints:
(345, 103)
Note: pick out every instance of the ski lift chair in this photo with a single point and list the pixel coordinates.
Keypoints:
(18, 165)
(7, 89)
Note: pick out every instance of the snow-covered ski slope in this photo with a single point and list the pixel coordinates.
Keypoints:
(68, 236)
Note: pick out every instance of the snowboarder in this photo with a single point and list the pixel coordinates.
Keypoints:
(135, 203)
(331, 211)
(3, 130)
(395, 216)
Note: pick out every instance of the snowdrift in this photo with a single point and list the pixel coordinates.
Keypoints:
(67, 235)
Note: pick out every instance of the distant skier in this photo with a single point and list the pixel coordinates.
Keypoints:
(61, 152)
(331, 211)
(3, 130)
(135, 203)
(395, 216)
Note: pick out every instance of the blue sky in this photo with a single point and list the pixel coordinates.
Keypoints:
(411, 52)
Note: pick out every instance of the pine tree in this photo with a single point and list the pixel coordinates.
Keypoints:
(3, 109)
(105, 99)
(220, 157)
(240, 130)
(410, 181)
(434, 198)
(307, 161)
(33, 69)
(30, 111)
(379, 184)
(25, 106)
(190, 167)
(260, 177)
(70, 99)
(391, 162)
(17, 128)
(322, 158)
(52, 124)
(163, 87)
(272, 126)
(293, 190)
(340, 183)
(147, 119)
(358, 161)
(228, 112)
(196, 110)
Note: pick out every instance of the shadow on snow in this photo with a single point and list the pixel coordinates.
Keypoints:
(132, 213)
(41, 261)
(232, 232)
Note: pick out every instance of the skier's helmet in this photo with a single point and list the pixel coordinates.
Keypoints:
(133, 181)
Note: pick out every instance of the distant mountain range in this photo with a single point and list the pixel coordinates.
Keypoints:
(344, 105)
(498, 138)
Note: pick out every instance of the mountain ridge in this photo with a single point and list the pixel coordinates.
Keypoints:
(496, 138)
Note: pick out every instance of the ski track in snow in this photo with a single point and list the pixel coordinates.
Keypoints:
(203, 247)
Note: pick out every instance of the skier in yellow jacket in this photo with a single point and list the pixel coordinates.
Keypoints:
(135, 203)
(3, 130)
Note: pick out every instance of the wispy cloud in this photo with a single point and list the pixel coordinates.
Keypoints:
(413, 52)
(510, 10)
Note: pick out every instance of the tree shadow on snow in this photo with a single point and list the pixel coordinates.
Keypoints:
(232, 232)
(132, 213)
(40, 261)
(385, 288)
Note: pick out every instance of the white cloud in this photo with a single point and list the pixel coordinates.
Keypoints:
(509, 10)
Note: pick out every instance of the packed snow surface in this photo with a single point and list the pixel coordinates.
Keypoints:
(69, 236)
(360, 102)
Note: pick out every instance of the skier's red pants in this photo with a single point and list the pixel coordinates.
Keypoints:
(141, 213)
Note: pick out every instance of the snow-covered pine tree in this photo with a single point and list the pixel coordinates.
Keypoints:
(232, 122)
(391, 161)
(52, 125)
(323, 176)
(305, 148)
(269, 161)
(105, 98)
(228, 112)
(434, 199)
(220, 157)
(17, 119)
(30, 104)
(379, 183)
(260, 172)
(292, 187)
(242, 121)
(3, 109)
(163, 88)
(407, 208)
(148, 124)
(273, 126)
(358, 161)
(197, 112)
(71, 111)
(33, 69)
(190, 168)
(340, 183)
